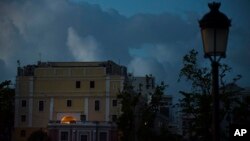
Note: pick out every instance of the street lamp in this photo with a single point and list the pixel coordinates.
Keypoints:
(214, 30)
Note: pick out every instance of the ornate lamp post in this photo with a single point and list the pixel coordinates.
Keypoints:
(214, 30)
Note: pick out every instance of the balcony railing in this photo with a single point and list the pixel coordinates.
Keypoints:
(81, 123)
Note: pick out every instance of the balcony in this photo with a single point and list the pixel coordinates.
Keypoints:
(58, 123)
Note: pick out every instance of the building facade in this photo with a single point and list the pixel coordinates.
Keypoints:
(145, 86)
(72, 101)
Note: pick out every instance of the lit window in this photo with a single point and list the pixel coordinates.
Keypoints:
(68, 120)
(92, 84)
(41, 105)
(78, 84)
(23, 103)
(97, 105)
(69, 103)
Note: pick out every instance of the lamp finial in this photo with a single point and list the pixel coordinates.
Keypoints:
(214, 6)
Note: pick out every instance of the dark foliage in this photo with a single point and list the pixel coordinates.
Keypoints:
(196, 105)
(137, 121)
(6, 110)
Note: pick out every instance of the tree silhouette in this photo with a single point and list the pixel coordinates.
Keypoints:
(126, 122)
(137, 121)
(196, 105)
(6, 110)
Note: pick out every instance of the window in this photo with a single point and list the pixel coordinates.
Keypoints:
(23, 103)
(23, 118)
(41, 105)
(114, 103)
(78, 84)
(84, 138)
(103, 136)
(114, 117)
(97, 105)
(69, 103)
(64, 136)
(23, 133)
(83, 117)
(92, 84)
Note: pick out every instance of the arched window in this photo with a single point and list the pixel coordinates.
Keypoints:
(68, 119)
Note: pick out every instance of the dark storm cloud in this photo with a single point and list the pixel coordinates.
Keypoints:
(63, 31)
(5, 75)
(159, 28)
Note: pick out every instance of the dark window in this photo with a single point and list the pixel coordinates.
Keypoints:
(41, 105)
(97, 105)
(64, 136)
(23, 103)
(23, 133)
(114, 117)
(84, 138)
(103, 136)
(83, 117)
(78, 84)
(23, 118)
(114, 103)
(69, 103)
(92, 84)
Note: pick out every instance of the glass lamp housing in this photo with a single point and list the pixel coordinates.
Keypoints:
(214, 31)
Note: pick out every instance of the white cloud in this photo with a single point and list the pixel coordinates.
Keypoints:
(83, 49)
(139, 66)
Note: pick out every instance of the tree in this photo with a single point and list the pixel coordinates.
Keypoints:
(148, 113)
(6, 110)
(137, 121)
(129, 100)
(197, 104)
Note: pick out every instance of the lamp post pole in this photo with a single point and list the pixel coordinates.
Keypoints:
(215, 98)
(214, 30)
(215, 93)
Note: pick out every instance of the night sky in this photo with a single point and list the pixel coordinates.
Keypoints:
(147, 36)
